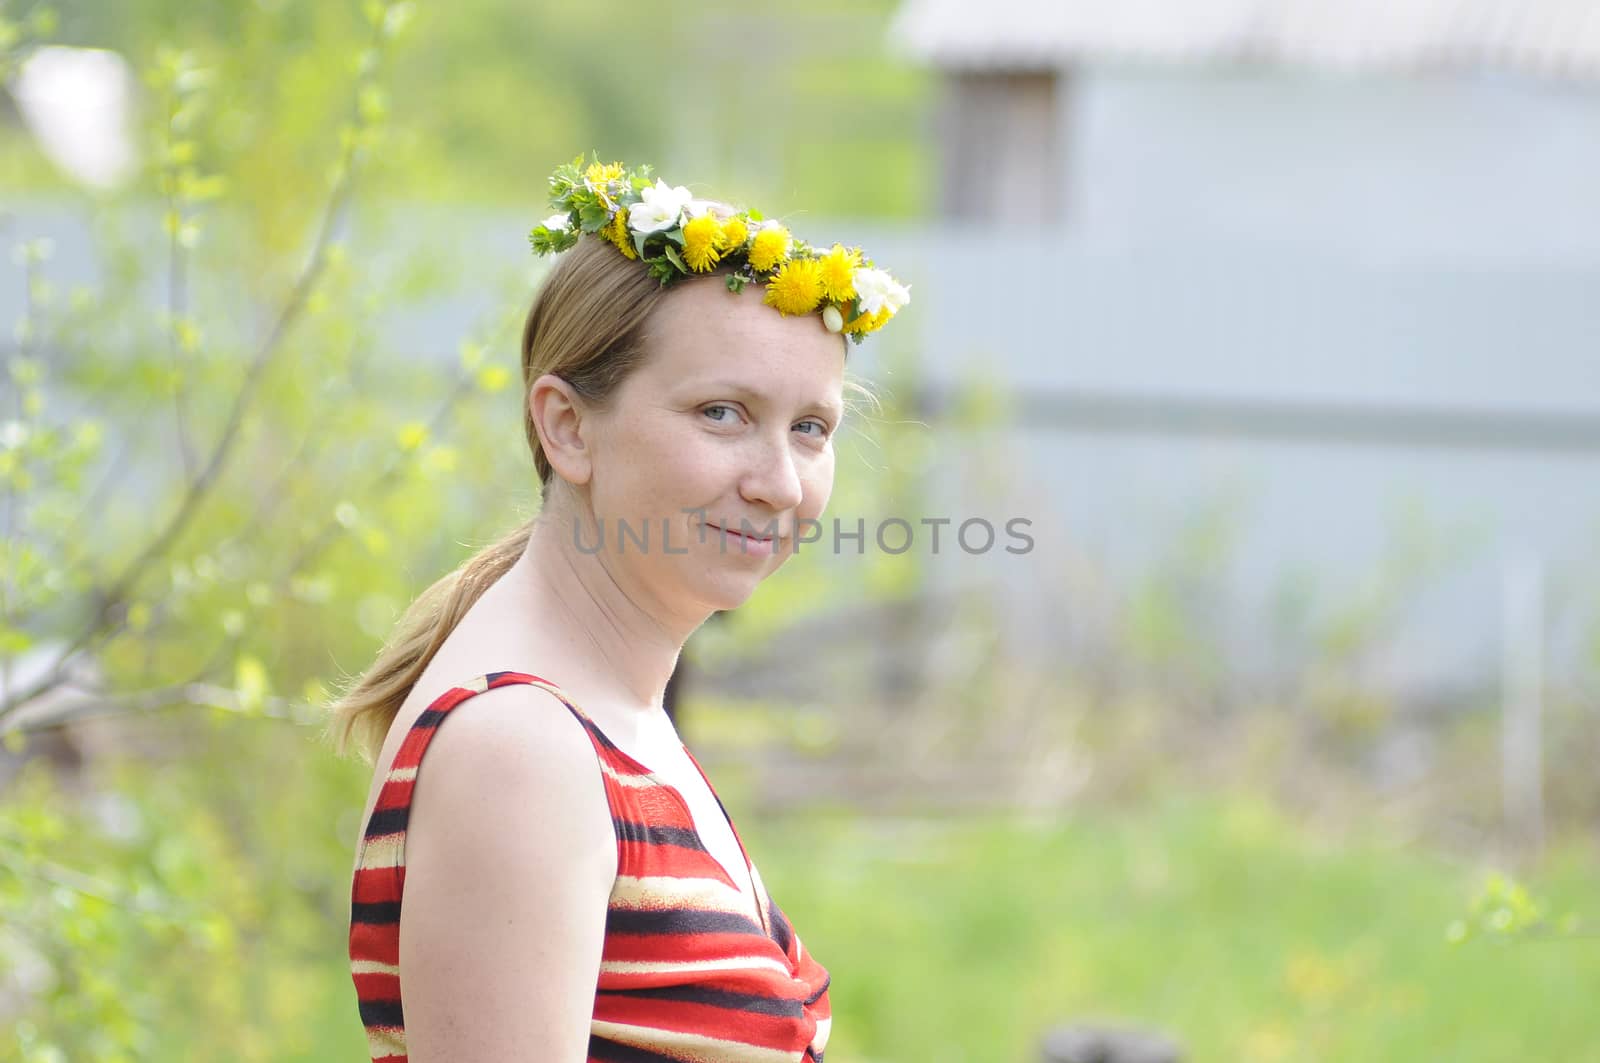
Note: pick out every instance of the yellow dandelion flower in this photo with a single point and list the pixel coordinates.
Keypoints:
(838, 273)
(701, 238)
(616, 230)
(734, 234)
(796, 288)
(601, 172)
(866, 323)
(770, 247)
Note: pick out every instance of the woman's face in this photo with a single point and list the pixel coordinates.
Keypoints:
(724, 438)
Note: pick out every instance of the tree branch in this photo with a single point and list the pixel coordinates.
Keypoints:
(98, 705)
(108, 599)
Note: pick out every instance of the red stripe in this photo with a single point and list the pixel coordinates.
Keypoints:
(730, 1024)
(376, 986)
(670, 861)
(380, 944)
(685, 948)
(375, 885)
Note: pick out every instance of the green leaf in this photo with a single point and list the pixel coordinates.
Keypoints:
(672, 254)
(13, 640)
(250, 683)
(592, 216)
(412, 435)
(372, 104)
(661, 269)
(548, 242)
(398, 18)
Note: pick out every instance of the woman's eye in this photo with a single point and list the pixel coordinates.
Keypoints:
(821, 429)
(720, 420)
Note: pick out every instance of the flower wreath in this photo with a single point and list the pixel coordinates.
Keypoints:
(675, 235)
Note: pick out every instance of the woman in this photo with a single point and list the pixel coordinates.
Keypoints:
(572, 885)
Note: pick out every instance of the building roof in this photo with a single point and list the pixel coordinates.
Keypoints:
(1549, 37)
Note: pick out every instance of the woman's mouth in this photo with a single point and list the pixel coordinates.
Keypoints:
(747, 543)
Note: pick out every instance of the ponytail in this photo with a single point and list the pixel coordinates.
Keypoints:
(369, 705)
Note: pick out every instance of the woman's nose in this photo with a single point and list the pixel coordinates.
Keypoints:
(772, 477)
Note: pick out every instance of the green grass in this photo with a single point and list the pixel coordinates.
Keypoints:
(1215, 920)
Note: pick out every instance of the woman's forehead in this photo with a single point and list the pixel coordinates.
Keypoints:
(705, 330)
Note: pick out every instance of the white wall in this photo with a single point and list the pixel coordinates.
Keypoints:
(1456, 169)
(1375, 246)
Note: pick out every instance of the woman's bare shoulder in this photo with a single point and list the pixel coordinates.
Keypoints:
(516, 738)
(510, 861)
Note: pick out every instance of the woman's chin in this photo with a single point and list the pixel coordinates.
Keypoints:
(730, 592)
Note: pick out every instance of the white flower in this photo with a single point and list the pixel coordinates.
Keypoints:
(558, 223)
(877, 290)
(832, 318)
(658, 208)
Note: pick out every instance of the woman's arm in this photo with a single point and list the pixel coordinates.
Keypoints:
(510, 859)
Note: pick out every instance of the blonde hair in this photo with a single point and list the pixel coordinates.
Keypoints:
(586, 326)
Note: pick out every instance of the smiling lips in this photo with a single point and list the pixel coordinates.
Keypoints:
(750, 544)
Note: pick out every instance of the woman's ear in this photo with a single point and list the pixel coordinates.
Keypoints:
(558, 416)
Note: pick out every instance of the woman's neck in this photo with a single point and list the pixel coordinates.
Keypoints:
(624, 646)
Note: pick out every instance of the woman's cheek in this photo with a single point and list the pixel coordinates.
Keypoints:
(818, 488)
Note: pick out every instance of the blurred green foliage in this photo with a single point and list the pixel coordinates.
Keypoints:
(204, 453)
(188, 908)
(1235, 929)
(220, 489)
(784, 109)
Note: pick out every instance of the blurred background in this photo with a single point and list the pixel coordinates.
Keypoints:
(1275, 321)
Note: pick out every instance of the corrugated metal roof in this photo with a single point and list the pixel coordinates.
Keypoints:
(1551, 37)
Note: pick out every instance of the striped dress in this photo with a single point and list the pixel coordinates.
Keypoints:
(687, 972)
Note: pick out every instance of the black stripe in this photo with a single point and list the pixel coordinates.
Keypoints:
(600, 736)
(381, 1013)
(375, 914)
(814, 997)
(717, 998)
(388, 821)
(678, 921)
(428, 718)
(604, 1050)
(781, 934)
(678, 837)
